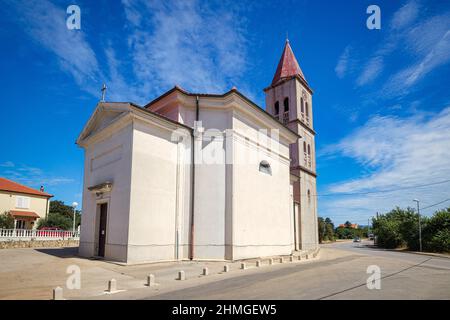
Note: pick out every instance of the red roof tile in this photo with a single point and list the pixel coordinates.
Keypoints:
(30, 214)
(288, 65)
(8, 185)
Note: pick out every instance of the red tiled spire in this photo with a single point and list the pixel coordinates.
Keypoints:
(288, 65)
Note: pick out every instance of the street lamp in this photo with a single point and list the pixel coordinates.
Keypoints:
(420, 226)
(74, 206)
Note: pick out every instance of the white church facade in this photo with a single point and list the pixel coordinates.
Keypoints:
(202, 176)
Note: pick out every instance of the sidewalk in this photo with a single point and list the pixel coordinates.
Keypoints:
(34, 273)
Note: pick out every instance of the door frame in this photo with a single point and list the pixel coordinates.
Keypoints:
(97, 227)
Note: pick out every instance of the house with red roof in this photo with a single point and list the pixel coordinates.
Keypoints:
(25, 204)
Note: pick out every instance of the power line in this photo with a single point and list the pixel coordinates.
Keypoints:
(435, 204)
(381, 191)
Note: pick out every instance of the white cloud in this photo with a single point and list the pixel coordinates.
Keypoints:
(435, 54)
(405, 15)
(398, 153)
(342, 65)
(402, 18)
(371, 71)
(7, 164)
(32, 176)
(185, 43)
(195, 44)
(45, 23)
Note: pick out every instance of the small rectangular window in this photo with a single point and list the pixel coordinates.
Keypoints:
(22, 202)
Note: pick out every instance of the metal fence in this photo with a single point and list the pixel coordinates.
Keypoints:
(25, 234)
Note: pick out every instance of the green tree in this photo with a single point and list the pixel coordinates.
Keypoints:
(56, 220)
(61, 216)
(6, 221)
(436, 232)
(321, 228)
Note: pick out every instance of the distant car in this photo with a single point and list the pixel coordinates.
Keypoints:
(356, 239)
(370, 236)
(51, 228)
(53, 232)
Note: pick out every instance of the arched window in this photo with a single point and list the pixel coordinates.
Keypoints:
(264, 167)
(286, 104)
(307, 109)
(277, 108)
(304, 146)
(309, 195)
(302, 107)
(309, 150)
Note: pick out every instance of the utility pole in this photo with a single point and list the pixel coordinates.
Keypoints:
(420, 225)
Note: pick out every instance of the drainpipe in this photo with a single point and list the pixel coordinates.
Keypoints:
(197, 112)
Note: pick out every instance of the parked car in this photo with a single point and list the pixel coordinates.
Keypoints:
(356, 239)
(53, 232)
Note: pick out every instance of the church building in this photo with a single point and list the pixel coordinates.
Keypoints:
(202, 176)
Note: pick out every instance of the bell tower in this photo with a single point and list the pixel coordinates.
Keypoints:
(289, 100)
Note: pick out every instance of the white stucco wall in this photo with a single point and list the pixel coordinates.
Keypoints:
(108, 159)
(159, 195)
(262, 219)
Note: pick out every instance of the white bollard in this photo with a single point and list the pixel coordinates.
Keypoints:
(58, 293)
(150, 280)
(291, 259)
(281, 260)
(299, 257)
(226, 268)
(307, 256)
(112, 285)
(243, 266)
(258, 263)
(270, 261)
(205, 271)
(181, 275)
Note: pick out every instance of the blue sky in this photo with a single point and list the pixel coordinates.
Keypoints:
(381, 101)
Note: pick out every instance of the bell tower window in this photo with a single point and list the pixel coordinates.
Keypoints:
(277, 109)
(307, 112)
(286, 111)
(309, 155)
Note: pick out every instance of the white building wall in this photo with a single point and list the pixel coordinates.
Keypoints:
(211, 196)
(262, 220)
(107, 160)
(159, 196)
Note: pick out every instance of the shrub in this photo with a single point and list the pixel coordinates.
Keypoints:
(56, 220)
(6, 221)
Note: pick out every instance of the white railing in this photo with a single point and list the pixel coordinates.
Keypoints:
(25, 234)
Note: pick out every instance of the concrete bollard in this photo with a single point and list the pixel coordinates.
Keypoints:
(58, 293)
(112, 285)
(243, 266)
(281, 260)
(181, 275)
(258, 263)
(226, 268)
(291, 259)
(205, 271)
(307, 256)
(270, 261)
(299, 258)
(150, 280)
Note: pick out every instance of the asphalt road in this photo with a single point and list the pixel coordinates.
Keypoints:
(340, 273)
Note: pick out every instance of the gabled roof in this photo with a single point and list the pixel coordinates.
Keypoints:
(233, 90)
(11, 186)
(288, 66)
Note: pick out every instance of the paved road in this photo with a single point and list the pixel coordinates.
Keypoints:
(341, 273)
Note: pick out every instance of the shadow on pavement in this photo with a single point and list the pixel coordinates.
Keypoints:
(67, 252)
